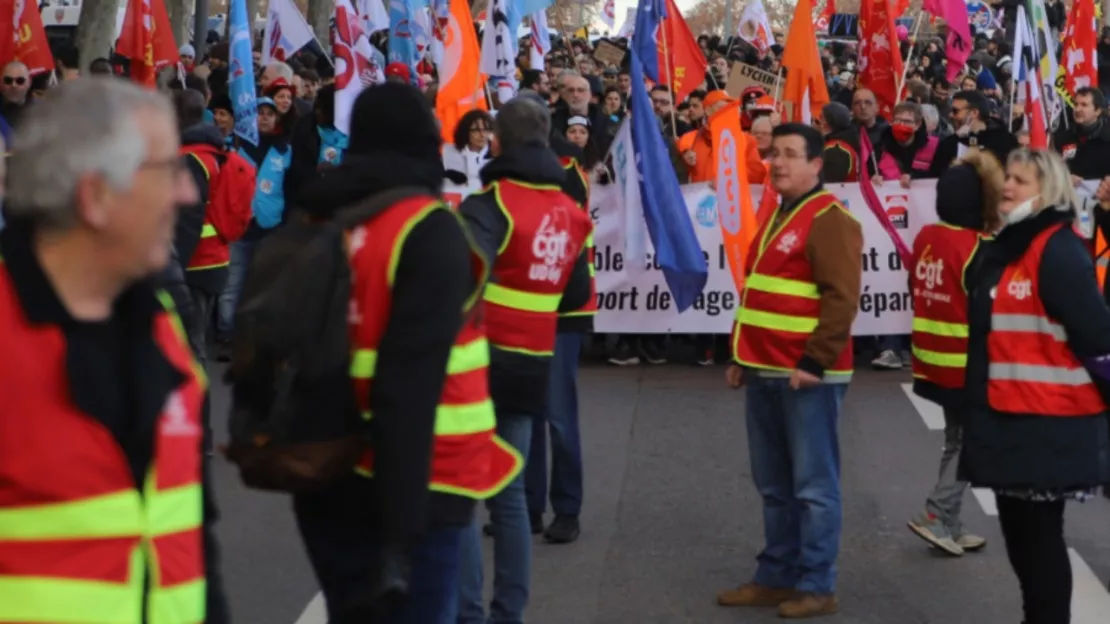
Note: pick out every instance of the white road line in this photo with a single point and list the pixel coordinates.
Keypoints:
(1090, 602)
(314, 613)
(986, 500)
(930, 412)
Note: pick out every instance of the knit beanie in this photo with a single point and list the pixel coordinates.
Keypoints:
(395, 118)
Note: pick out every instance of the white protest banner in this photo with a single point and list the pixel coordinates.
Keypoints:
(631, 303)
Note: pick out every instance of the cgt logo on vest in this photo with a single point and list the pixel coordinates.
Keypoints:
(928, 270)
(175, 419)
(551, 246)
(1020, 288)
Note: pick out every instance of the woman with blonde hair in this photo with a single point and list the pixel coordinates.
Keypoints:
(944, 254)
(1038, 361)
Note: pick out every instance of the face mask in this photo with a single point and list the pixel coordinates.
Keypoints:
(965, 130)
(902, 132)
(1021, 212)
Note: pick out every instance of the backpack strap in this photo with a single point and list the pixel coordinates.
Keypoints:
(353, 215)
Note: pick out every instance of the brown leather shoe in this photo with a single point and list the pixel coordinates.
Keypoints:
(753, 595)
(807, 605)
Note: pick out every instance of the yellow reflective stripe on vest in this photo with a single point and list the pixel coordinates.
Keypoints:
(779, 322)
(174, 510)
(463, 359)
(1028, 323)
(107, 516)
(179, 330)
(782, 286)
(465, 419)
(939, 328)
(937, 358)
(521, 300)
(181, 604)
(1037, 373)
(208, 231)
(69, 601)
(207, 174)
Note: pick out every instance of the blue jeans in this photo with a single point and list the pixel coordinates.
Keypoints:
(512, 544)
(241, 252)
(795, 459)
(335, 527)
(566, 444)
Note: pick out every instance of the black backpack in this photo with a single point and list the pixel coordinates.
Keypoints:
(295, 425)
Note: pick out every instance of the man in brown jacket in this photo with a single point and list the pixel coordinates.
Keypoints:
(792, 346)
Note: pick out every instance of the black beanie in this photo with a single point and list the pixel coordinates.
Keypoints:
(221, 101)
(960, 196)
(396, 118)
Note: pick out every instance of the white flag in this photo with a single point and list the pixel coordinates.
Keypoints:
(628, 200)
(629, 25)
(539, 41)
(498, 59)
(286, 31)
(374, 16)
(609, 14)
(755, 28)
(357, 63)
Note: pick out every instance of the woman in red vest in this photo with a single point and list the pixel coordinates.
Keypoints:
(944, 254)
(1038, 365)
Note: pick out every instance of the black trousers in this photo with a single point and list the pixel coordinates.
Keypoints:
(1034, 533)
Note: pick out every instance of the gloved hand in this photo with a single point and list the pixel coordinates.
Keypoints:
(384, 591)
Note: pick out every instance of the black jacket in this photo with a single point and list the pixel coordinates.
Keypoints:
(518, 382)
(1087, 151)
(190, 219)
(838, 163)
(433, 281)
(994, 138)
(118, 376)
(1002, 450)
(304, 163)
(600, 136)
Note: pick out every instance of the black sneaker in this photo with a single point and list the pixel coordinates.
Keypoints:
(624, 356)
(649, 353)
(563, 530)
(706, 359)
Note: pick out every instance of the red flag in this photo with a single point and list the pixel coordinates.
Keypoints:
(28, 42)
(1079, 62)
(880, 60)
(686, 61)
(146, 39)
(824, 18)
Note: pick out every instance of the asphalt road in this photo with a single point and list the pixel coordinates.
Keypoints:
(671, 518)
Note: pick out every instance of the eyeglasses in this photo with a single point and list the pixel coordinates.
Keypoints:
(16, 80)
(480, 129)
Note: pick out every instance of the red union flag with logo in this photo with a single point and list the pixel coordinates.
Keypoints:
(880, 60)
(1079, 63)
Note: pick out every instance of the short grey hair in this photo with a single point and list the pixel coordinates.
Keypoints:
(84, 126)
(1055, 179)
(282, 70)
(521, 121)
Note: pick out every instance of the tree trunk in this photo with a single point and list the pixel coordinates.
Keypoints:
(96, 30)
(180, 14)
(319, 17)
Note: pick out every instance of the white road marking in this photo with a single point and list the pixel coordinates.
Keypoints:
(986, 500)
(930, 412)
(1090, 602)
(314, 613)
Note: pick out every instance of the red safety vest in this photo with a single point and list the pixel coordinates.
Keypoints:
(79, 542)
(546, 233)
(940, 256)
(780, 305)
(1032, 370)
(590, 309)
(212, 252)
(468, 459)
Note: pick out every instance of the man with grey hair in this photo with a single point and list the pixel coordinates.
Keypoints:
(534, 236)
(94, 188)
(13, 92)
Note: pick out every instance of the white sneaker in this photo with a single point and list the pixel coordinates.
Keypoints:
(887, 360)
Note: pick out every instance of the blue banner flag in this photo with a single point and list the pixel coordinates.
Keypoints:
(402, 34)
(645, 38)
(240, 76)
(677, 250)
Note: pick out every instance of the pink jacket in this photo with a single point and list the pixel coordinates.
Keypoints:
(888, 166)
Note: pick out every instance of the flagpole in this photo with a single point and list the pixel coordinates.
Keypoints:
(913, 44)
(669, 77)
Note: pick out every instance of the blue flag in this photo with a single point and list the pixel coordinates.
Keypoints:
(668, 222)
(240, 75)
(645, 38)
(402, 34)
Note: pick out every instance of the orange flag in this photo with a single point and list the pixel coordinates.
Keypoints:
(683, 54)
(460, 86)
(804, 91)
(734, 196)
(146, 39)
(29, 44)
